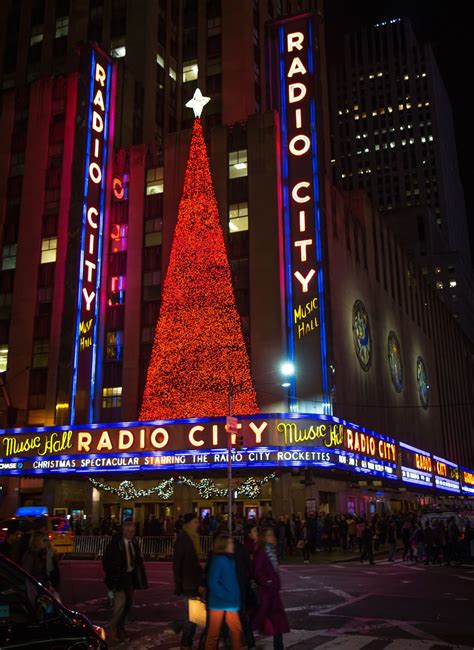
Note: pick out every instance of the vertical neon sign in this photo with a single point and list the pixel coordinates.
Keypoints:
(293, 94)
(90, 256)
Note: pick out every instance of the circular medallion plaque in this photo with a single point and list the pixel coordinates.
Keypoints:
(361, 335)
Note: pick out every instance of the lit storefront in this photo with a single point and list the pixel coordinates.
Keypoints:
(178, 464)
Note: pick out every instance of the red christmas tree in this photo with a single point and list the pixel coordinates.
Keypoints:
(199, 348)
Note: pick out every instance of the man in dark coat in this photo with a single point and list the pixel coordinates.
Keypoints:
(368, 544)
(124, 572)
(187, 572)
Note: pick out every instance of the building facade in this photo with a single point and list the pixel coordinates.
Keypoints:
(393, 136)
(319, 277)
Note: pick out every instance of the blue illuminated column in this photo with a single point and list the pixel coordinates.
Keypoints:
(86, 355)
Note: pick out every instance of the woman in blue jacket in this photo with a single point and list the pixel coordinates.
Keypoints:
(223, 594)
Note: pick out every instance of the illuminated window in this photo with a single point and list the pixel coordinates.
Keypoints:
(49, 247)
(238, 217)
(452, 284)
(153, 232)
(3, 358)
(112, 397)
(117, 290)
(172, 73)
(190, 70)
(62, 27)
(118, 52)
(438, 269)
(36, 37)
(160, 60)
(119, 236)
(9, 257)
(155, 183)
(113, 345)
(439, 285)
(238, 163)
(41, 353)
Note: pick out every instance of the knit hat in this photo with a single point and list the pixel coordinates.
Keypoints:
(189, 517)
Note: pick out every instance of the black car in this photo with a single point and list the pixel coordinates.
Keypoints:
(31, 618)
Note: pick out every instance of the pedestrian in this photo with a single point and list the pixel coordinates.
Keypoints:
(302, 544)
(367, 544)
(469, 542)
(10, 547)
(360, 526)
(417, 540)
(124, 573)
(406, 534)
(34, 559)
(223, 594)
(189, 577)
(269, 617)
(428, 539)
(391, 539)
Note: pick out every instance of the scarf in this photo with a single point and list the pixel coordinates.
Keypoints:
(270, 551)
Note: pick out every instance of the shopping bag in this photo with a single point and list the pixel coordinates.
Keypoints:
(197, 611)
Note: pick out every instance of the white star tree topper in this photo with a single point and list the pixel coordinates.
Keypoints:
(198, 102)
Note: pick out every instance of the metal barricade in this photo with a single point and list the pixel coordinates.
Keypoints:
(161, 547)
(90, 545)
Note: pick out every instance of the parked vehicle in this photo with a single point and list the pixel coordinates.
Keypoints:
(30, 617)
(58, 529)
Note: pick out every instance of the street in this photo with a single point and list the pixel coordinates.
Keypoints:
(399, 606)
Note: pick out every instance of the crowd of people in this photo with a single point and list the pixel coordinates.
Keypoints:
(33, 551)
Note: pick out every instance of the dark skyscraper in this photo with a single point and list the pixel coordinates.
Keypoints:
(393, 136)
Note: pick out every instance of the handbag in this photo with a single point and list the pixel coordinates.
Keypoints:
(197, 611)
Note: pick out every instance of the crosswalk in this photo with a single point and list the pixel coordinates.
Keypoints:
(313, 640)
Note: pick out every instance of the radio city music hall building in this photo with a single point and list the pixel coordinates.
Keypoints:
(380, 410)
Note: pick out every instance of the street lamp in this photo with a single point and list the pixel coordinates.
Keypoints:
(287, 369)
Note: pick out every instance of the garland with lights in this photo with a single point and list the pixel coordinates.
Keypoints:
(198, 347)
(127, 490)
(251, 488)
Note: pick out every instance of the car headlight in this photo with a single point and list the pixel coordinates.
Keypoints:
(100, 631)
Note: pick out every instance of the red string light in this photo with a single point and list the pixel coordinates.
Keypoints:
(199, 347)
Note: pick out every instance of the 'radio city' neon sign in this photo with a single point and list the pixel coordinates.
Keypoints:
(293, 83)
(98, 100)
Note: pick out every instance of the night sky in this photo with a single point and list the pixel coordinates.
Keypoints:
(450, 33)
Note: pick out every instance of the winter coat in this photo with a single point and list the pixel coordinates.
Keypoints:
(187, 571)
(223, 591)
(114, 564)
(35, 563)
(269, 617)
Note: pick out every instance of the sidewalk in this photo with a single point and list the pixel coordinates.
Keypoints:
(334, 557)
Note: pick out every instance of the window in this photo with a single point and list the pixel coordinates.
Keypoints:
(36, 36)
(3, 358)
(49, 247)
(439, 285)
(213, 26)
(40, 354)
(190, 70)
(62, 27)
(153, 232)
(452, 284)
(112, 397)
(119, 235)
(238, 163)
(155, 181)
(118, 52)
(160, 60)
(113, 345)
(9, 257)
(238, 217)
(117, 290)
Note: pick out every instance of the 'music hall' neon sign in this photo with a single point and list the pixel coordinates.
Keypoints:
(85, 345)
